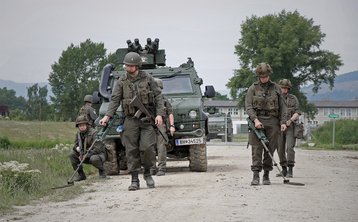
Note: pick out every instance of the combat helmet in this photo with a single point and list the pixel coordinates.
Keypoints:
(159, 82)
(263, 70)
(132, 58)
(81, 119)
(285, 83)
(88, 98)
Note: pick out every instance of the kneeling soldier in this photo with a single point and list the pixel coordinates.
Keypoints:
(96, 156)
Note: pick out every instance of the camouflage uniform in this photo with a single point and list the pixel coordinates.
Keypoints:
(138, 134)
(90, 113)
(287, 141)
(161, 143)
(264, 102)
(96, 156)
(287, 137)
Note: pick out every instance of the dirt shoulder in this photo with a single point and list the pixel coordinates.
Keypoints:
(221, 194)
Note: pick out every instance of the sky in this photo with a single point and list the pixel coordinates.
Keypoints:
(33, 33)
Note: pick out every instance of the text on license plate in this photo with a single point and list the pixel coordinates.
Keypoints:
(189, 141)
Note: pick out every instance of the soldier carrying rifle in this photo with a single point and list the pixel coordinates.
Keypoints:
(139, 136)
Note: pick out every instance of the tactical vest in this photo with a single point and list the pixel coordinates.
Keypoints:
(266, 102)
(142, 89)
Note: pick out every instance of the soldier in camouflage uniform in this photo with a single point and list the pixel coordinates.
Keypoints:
(84, 139)
(287, 141)
(139, 136)
(88, 110)
(266, 108)
(161, 143)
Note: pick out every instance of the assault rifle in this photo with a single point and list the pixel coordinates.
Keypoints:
(141, 109)
(264, 141)
(80, 145)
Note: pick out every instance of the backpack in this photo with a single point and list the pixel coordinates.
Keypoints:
(298, 130)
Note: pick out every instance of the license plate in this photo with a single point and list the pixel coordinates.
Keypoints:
(189, 141)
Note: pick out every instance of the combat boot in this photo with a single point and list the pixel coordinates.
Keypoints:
(148, 178)
(135, 182)
(102, 174)
(153, 171)
(266, 178)
(284, 172)
(290, 172)
(81, 175)
(256, 179)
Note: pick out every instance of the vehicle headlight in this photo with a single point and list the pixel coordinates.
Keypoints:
(192, 114)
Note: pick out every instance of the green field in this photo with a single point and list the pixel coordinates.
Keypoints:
(36, 130)
(36, 134)
(44, 168)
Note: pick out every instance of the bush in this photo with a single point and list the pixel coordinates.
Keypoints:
(16, 178)
(345, 134)
(28, 174)
(4, 142)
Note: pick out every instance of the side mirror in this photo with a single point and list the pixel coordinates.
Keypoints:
(209, 91)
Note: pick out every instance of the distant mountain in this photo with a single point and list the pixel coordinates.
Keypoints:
(21, 88)
(345, 88)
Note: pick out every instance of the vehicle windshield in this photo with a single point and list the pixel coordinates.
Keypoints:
(177, 84)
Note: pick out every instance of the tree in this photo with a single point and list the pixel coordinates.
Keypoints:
(15, 104)
(290, 43)
(76, 74)
(37, 105)
(219, 96)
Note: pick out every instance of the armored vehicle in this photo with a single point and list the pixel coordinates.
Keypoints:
(220, 127)
(181, 87)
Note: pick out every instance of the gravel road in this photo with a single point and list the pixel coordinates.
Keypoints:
(221, 194)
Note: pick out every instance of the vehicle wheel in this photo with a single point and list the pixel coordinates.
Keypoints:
(111, 164)
(198, 160)
(229, 139)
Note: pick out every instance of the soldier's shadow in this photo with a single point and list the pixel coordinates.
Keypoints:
(177, 169)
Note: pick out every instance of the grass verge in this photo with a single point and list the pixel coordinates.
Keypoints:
(34, 174)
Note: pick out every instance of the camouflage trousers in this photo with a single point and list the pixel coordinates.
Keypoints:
(286, 145)
(272, 130)
(96, 160)
(139, 139)
(161, 149)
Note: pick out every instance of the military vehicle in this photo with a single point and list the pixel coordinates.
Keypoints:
(220, 127)
(181, 87)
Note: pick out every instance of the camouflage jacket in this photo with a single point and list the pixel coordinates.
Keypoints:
(144, 86)
(292, 105)
(87, 139)
(265, 100)
(168, 109)
(90, 113)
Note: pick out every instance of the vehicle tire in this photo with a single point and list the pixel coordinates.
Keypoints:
(229, 138)
(122, 159)
(198, 160)
(111, 164)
